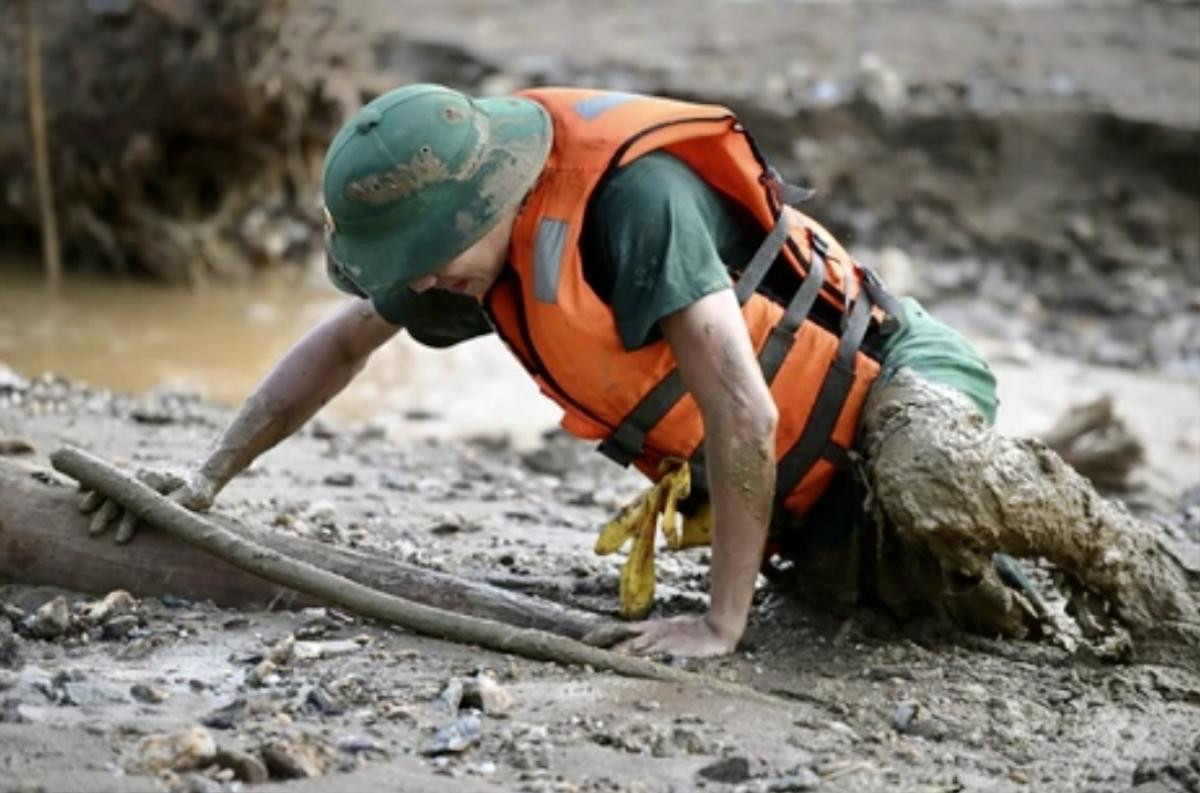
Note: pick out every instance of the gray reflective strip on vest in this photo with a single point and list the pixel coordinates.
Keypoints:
(590, 108)
(548, 246)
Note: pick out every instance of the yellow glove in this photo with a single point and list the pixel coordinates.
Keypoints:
(639, 519)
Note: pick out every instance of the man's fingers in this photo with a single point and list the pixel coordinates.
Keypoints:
(90, 501)
(105, 515)
(126, 528)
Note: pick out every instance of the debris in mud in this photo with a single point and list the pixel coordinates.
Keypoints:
(295, 757)
(186, 750)
(14, 446)
(457, 736)
(247, 767)
(485, 694)
(50, 621)
(730, 770)
(1097, 444)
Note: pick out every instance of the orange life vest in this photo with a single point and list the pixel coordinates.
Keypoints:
(566, 336)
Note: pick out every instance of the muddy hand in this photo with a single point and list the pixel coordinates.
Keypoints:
(194, 492)
(689, 636)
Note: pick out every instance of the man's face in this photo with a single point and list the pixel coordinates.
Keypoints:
(473, 271)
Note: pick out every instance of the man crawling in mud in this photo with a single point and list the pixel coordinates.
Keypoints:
(648, 269)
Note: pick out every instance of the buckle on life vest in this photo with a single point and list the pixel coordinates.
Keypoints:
(784, 191)
(893, 309)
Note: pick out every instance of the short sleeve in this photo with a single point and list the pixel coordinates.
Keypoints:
(657, 239)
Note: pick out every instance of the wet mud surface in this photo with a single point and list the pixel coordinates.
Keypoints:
(865, 704)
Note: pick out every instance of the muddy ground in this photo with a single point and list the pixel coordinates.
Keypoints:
(983, 194)
(989, 715)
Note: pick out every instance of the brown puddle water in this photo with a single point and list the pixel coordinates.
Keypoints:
(133, 336)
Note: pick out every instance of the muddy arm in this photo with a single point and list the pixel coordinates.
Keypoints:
(310, 374)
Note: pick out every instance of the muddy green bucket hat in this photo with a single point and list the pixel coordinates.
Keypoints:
(419, 175)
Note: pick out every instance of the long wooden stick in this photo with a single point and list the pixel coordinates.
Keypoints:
(36, 102)
(40, 544)
(303, 577)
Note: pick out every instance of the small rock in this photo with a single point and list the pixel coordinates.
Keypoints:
(731, 770)
(456, 736)
(246, 766)
(293, 758)
(182, 751)
(262, 675)
(114, 604)
(151, 695)
(120, 627)
(357, 744)
(10, 648)
(483, 693)
(906, 714)
(10, 712)
(452, 523)
(312, 650)
(8, 679)
(226, 716)
(340, 479)
(801, 780)
(51, 620)
(324, 702)
(450, 699)
(10, 447)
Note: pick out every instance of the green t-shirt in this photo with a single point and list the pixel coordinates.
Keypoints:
(654, 241)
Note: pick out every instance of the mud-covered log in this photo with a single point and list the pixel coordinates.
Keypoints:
(44, 540)
(180, 131)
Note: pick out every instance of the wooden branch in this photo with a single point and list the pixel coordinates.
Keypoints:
(36, 102)
(309, 579)
(43, 541)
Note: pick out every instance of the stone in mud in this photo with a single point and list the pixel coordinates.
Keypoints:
(340, 479)
(182, 751)
(247, 767)
(114, 604)
(484, 693)
(452, 523)
(450, 698)
(226, 716)
(120, 627)
(14, 446)
(294, 758)
(803, 779)
(731, 770)
(150, 695)
(50, 621)
(310, 651)
(10, 712)
(323, 702)
(10, 648)
(455, 737)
